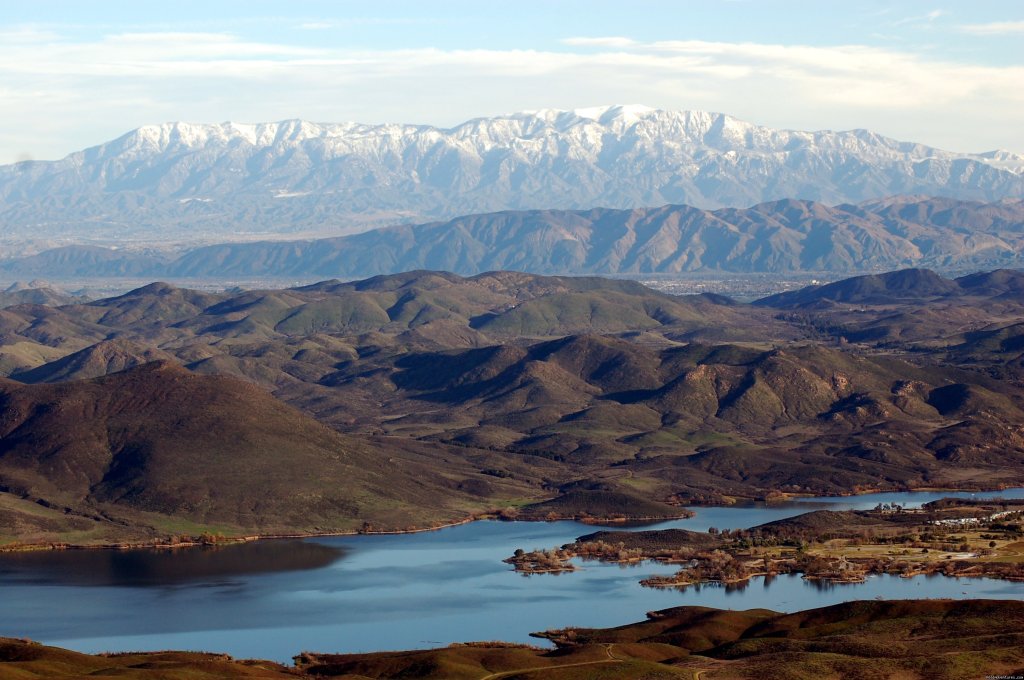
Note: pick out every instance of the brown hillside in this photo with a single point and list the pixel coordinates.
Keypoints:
(109, 356)
(212, 450)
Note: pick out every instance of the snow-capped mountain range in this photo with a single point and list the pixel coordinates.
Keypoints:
(196, 182)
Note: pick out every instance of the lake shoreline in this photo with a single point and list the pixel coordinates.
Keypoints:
(891, 628)
(198, 542)
(423, 589)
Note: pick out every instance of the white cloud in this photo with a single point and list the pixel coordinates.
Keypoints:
(994, 28)
(62, 95)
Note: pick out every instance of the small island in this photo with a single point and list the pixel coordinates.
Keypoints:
(951, 537)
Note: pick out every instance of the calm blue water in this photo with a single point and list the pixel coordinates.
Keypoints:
(276, 598)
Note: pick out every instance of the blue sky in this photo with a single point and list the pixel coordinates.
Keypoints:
(76, 74)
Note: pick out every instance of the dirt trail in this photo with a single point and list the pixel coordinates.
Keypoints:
(504, 674)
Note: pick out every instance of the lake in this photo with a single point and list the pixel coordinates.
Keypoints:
(273, 599)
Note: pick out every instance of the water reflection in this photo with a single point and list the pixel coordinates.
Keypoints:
(727, 587)
(164, 567)
(824, 585)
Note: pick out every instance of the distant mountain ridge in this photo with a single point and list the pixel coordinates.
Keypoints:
(783, 236)
(186, 181)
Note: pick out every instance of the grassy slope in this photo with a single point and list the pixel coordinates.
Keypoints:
(158, 450)
(24, 660)
(908, 639)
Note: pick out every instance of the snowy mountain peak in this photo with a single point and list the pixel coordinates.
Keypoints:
(1006, 160)
(197, 135)
(605, 115)
(624, 111)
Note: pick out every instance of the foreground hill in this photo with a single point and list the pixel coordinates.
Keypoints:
(157, 450)
(781, 236)
(173, 180)
(922, 639)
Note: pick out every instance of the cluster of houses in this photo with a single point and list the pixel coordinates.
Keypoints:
(973, 521)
